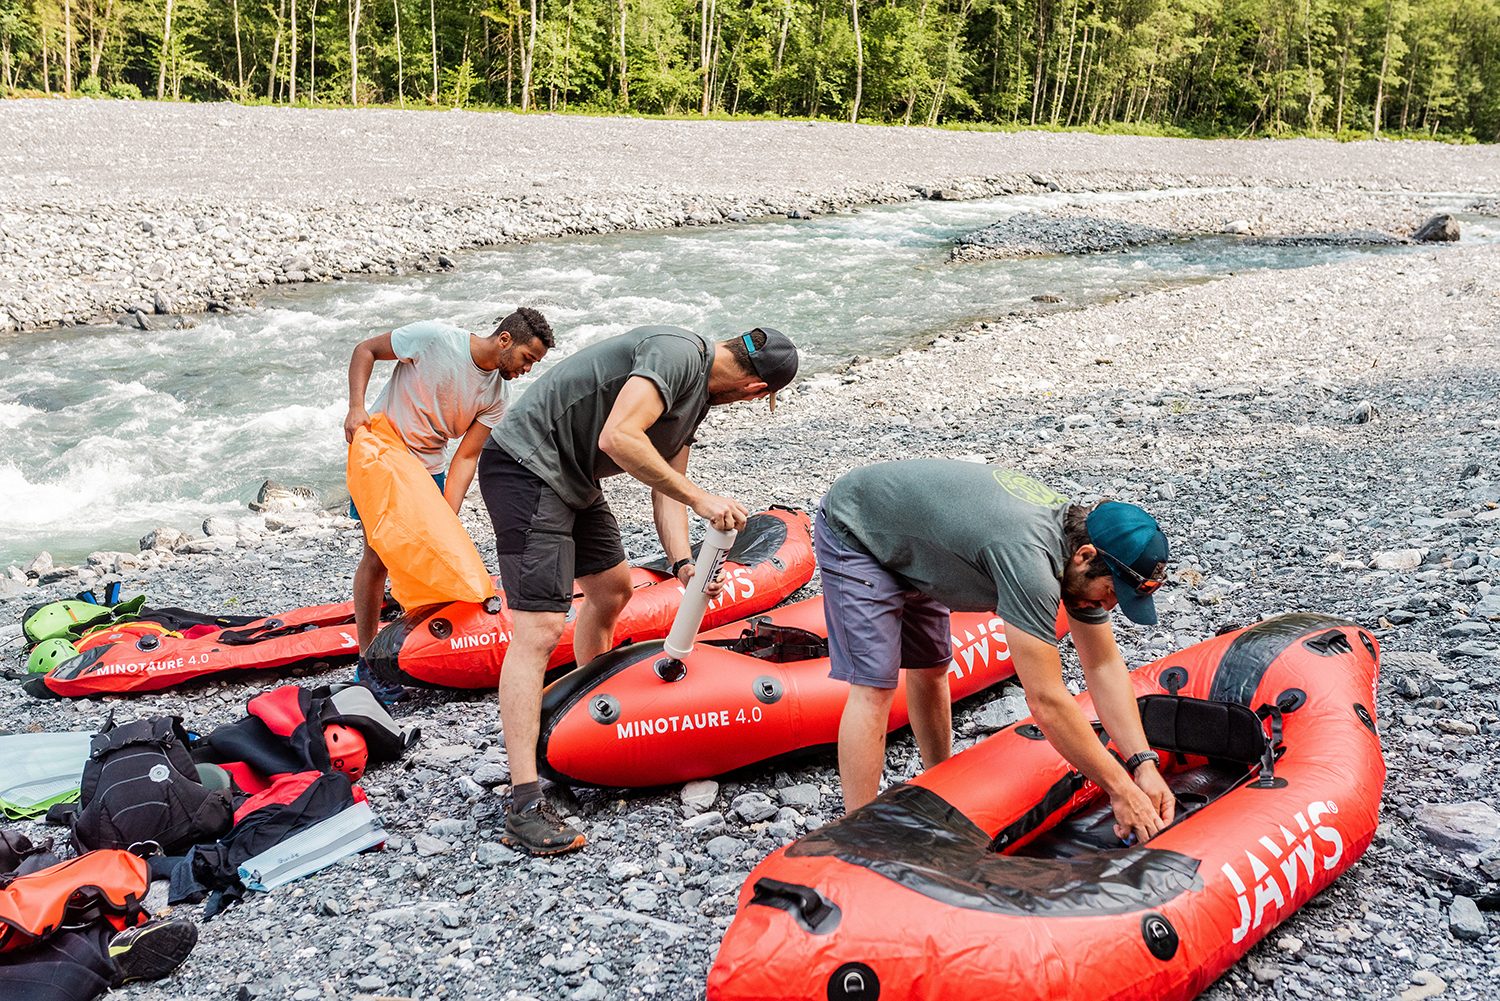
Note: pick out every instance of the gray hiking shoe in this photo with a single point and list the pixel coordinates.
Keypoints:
(539, 830)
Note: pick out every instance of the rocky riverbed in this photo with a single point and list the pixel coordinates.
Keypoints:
(133, 210)
(1322, 439)
(1326, 216)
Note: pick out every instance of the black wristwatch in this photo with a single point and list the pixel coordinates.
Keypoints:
(677, 567)
(1139, 758)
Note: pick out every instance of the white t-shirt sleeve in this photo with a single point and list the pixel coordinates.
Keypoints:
(410, 341)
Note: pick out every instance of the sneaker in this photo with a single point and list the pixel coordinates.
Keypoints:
(539, 830)
(388, 693)
(152, 950)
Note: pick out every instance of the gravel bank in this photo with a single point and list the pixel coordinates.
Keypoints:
(1331, 215)
(1319, 439)
(111, 206)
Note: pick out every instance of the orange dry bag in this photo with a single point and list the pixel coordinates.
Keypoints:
(429, 556)
(106, 885)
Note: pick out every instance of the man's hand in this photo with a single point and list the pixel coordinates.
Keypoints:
(720, 512)
(1135, 814)
(713, 590)
(1150, 782)
(358, 417)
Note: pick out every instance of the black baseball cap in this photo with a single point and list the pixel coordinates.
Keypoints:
(775, 362)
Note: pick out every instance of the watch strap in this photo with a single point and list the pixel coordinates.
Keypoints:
(1139, 758)
(677, 567)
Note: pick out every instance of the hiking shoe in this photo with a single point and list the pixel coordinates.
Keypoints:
(539, 830)
(388, 693)
(152, 950)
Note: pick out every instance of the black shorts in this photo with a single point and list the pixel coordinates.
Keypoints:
(542, 543)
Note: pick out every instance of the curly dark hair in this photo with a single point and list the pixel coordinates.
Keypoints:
(1076, 536)
(526, 324)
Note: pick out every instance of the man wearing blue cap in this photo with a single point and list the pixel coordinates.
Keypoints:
(628, 404)
(902, 543)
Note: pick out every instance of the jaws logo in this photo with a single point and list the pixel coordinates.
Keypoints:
(1275, 871)
(985, 645)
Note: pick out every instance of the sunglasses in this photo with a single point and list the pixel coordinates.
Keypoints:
(1143, 585)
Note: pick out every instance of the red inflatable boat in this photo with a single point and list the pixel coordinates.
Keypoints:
(126, 661)
(754, 690)
(461, 645)
(997, 874)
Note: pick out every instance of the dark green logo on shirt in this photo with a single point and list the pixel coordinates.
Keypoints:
(1024, 488)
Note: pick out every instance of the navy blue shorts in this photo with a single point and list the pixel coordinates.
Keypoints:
(877, 624)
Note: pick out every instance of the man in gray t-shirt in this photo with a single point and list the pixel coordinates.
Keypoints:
(628, 404)
(902, 543)
(448, 385)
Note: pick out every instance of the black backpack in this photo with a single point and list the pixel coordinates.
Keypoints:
(141, 790)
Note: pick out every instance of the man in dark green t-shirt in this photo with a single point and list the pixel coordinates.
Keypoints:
(902, 543)
(629, 404)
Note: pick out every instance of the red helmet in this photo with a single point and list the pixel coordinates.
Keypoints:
(347, 750)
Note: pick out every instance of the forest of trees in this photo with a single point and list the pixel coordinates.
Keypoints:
(1252, 67)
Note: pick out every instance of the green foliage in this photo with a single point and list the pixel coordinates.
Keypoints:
(124, 90)
(1345, 68)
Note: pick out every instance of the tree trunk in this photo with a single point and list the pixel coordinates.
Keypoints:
(1083, 77)
(1062, 80)
(1385, 59)
(239, 54)
(708, 9)
(355, 9)
(312, 55)
(1043, 19)
(859, 63)
(624, 77)
(100, 36)
(291, 75)
(68, 47)
(166, 40)
(1411, 77)
(528, 57)
(400, 69)
(275, 52)
(432, 28)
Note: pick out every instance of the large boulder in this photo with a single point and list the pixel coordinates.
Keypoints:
(1438, 229)
(278, 497)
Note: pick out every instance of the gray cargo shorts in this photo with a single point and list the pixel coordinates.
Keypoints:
(877, 625)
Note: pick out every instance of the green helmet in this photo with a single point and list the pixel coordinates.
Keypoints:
(48, 654)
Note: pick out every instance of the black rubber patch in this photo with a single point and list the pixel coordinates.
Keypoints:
(1248, 657)
(853, 982)
(1161, 938)
(1291, 700)
(1174, 679)
(1365, 717)
(1369, 644)
(758, 542)
(814, 912)
(768, 690)
(440, 628)
(918, 840)
(1031, 731)
(604, 708)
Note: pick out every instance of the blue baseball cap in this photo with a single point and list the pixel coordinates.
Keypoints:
(1135, 550)
(775, 362)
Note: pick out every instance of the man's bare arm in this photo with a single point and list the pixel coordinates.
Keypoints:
(361, 364)
(624, 440)
(461, 467)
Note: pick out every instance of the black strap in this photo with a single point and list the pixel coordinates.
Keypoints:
(1267, 779)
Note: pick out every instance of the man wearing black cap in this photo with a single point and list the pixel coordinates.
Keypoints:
(629, 404)
(901, 543)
